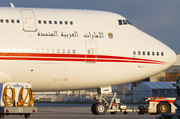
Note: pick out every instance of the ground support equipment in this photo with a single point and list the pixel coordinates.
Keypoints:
(16, 98)
(157, 105)
(176, 103)
(114, 106)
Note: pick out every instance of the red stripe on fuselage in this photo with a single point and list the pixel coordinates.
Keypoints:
(74, 57)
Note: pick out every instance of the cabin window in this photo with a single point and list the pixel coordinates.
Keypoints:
(71, 22)
(50, 22)
(157, 53)
(63, 51)
(18, 21)
(148, 53)
(47, 50)
(162, 53)
(74, 51)
(42, 50)
(153, 53)
(66, 22)
(139, 53)
(55, 22)
(39, 21)
(12, 21)
(7, 21)
(69, 51)
(120, 22)
(134, 52)
(88, 51)
(1, 20)
(58, 50)
(144, 53)
(44, 22)
(60, 22)
(52, 50)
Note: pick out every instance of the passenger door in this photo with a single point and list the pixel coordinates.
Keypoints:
(28, 19)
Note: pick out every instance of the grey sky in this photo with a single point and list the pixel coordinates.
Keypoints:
(159, 18)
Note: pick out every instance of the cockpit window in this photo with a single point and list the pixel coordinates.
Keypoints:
(120, 22)
(129, 22)
(124, 22)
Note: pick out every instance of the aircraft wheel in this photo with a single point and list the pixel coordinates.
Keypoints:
(113, 113)
(164, 107)
(98, 108)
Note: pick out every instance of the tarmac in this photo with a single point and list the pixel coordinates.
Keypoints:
(76, 111)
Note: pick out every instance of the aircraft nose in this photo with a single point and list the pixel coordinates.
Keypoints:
(172, 57)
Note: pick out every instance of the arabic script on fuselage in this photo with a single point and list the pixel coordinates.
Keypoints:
(48, 34)
(74, 34)
(94, 35)
(69, 35)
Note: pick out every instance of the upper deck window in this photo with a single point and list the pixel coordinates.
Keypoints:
(66, 22)
(71, 22)
(12, 21)
(39, 21)
(44, 21)
(7, 21)
(18, 21)
(1, 20)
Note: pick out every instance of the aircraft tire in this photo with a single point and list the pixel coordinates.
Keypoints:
(99, 108)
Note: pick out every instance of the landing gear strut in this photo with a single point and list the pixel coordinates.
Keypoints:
(102, 106)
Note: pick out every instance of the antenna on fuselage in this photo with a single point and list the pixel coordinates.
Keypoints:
(12, 6)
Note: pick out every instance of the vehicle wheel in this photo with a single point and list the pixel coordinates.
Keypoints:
(140, 113)
(125, 113)
(27, 115)
(164, 107)
(113, 112)
(98, 108)
(1, 115)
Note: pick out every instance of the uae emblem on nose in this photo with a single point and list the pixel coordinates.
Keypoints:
(110, 35)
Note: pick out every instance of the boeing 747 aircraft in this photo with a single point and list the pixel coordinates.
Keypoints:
(60, 49)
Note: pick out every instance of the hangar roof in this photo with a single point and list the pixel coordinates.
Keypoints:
(159, 85)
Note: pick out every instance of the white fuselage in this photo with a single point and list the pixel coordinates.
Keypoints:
(57, 49)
